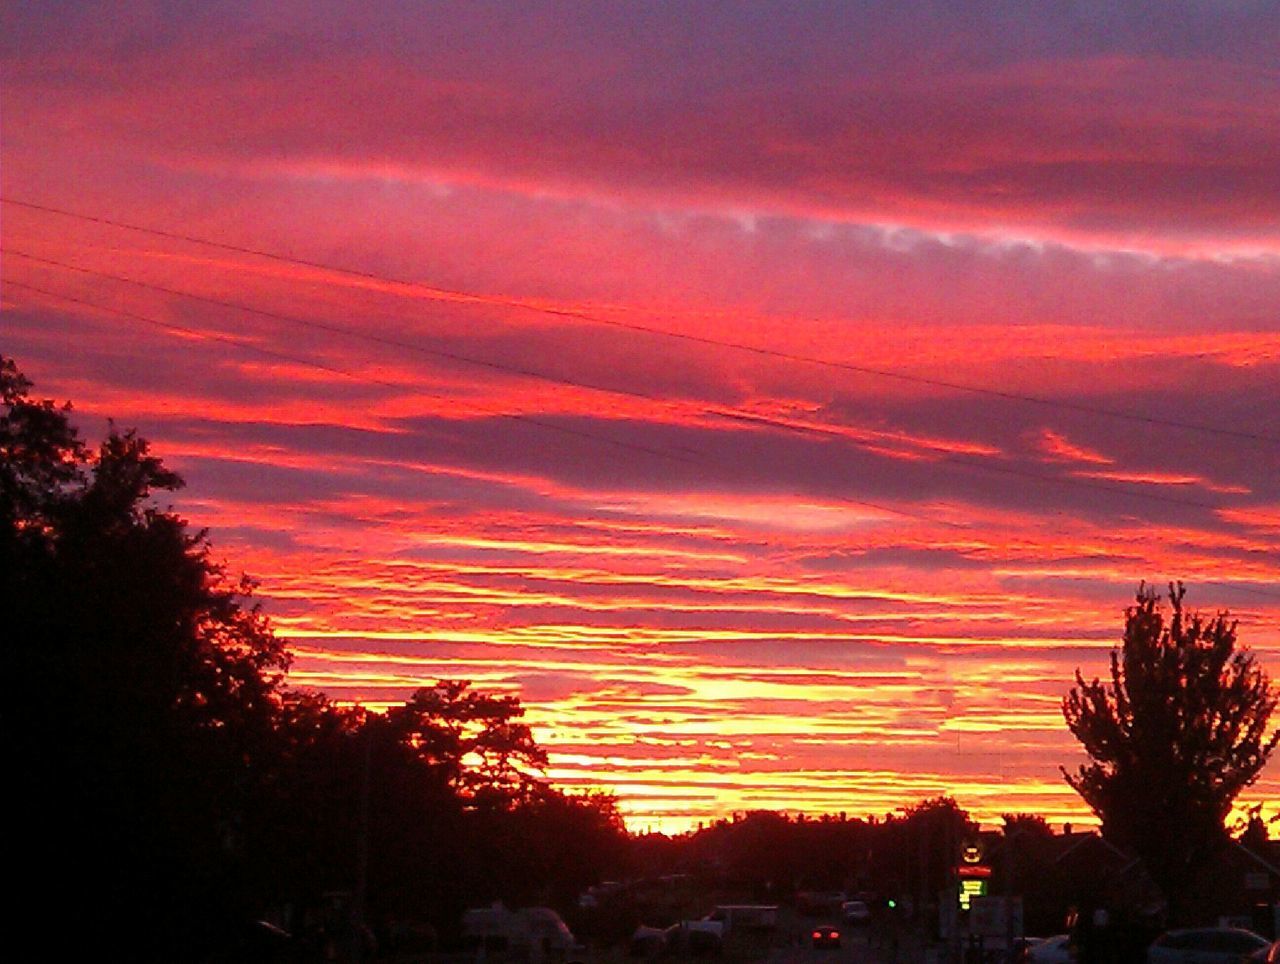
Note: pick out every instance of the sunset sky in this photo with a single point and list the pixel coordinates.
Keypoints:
(781, 399)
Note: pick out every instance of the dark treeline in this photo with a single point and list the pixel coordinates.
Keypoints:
(765, 853)
(168, 784)
(908, 857)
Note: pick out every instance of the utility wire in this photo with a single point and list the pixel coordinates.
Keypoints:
(442, 292)
(723, 412)
(736, 415)
(357, 334)
(953, 458)
(251, 346)
(595, 437)
(587, 317)
(334, 370)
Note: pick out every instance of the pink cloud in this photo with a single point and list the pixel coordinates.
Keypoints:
(1058, 448)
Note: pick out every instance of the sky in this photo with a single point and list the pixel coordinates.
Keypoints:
(782, 400)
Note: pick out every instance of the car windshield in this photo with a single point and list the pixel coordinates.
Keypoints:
(1234, 942)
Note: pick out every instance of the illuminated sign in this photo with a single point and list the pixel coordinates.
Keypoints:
(971, 888)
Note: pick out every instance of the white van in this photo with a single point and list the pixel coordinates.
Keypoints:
(745, 916)
(538, 931)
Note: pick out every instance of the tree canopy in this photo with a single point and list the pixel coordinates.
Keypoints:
(1173, 737)
(169, 780)
(145, 684)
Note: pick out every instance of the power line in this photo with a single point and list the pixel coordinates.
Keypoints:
(452, 293)
(594, 437)
(296, 359)
(964, 462)
(334, 370)
(724, 412)
(718, 411)
(371, 337)
(434, 290)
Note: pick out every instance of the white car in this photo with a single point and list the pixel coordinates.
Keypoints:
(1051, 950)
(1205, 945)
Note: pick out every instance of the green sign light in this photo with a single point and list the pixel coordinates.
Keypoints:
(970, 889)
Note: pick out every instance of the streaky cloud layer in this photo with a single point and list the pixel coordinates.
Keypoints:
(783, 401)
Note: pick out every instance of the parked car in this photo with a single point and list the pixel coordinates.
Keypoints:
(1269, 955)
(707, 925)
(254, 942)
(855, 912)
(1205, 945)
(647, 942)
(1022, 948)
(826, 936)
(685, 940)
(1051, 950)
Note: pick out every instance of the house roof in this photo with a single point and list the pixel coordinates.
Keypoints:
(1069, 843)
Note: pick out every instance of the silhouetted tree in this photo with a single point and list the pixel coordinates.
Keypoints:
(456, 816)
(1026, 824)
(547, 848)
(1252, 829)
(1174, 736)
(1022, 861)
(452, 786)
(165, 782)
(143, 687)
(472, 740)
(41, 458)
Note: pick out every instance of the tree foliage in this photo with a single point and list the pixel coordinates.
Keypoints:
(1027, 824)
(472, 740)
(1173, 737)
(144, 683)
(170, 782)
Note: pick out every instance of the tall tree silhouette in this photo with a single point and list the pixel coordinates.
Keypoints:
(1174, 736)
(143, 686)
(167, 785)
